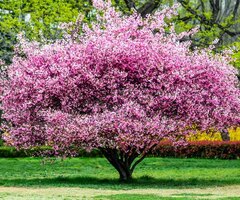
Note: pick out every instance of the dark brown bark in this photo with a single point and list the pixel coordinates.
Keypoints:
(120, 161)
(124, 162)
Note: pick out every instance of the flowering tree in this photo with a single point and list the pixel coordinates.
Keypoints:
(121, 86)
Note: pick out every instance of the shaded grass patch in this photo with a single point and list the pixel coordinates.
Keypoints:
(97, 173)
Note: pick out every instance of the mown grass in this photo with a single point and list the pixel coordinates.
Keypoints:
(97, 173)
(152, 197)
(137, 197)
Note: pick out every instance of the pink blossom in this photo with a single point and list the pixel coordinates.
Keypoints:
(120, 85)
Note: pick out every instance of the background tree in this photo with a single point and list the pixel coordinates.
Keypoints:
(36, 18)
(121, 87)
(217, 19)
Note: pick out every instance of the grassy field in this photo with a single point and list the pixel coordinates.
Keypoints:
(94, 178)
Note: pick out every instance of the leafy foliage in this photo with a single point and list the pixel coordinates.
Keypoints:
(36, 18)
(216, 19)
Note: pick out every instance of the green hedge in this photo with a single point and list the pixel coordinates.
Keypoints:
(11, 152)
(203, 149)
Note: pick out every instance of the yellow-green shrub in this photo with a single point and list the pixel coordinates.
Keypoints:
(234, 136)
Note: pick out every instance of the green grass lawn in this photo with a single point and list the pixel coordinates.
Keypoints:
(96, 173)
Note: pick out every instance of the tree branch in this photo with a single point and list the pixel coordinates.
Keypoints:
(149, 7)
(144, 154)
(202, 5)
(215, 9)
(204, 20)
(130, 4)
(138, 161)
(236, 9)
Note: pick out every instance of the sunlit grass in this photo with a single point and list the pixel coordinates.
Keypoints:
(98, 173)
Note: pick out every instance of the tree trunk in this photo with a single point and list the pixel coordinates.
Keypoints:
(225, 135)
(125, 175)
(123, 162)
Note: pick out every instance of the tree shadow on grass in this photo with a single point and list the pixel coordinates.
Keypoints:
(97, 183)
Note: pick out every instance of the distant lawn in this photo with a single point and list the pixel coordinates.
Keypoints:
(97, 173)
